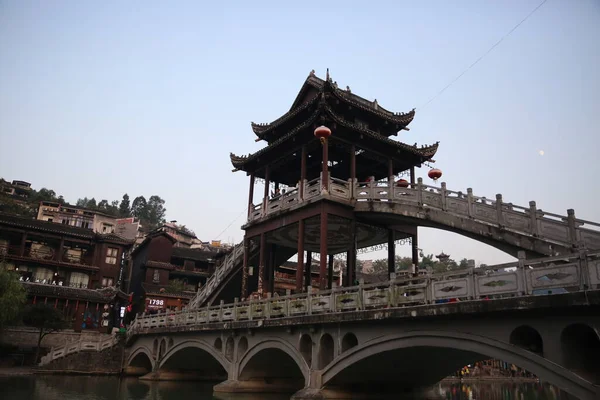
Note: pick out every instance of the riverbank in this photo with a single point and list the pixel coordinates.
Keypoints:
(16, 371)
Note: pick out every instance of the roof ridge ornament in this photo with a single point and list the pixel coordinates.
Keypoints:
(327, 75)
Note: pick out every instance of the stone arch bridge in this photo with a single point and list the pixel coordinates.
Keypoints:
(389, 336)
(508, 227)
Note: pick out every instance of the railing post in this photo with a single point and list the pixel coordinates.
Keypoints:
(533, 217)
(235, 305)
(268, 305)
(361, 302)
(420, 191)
(250, 308)
(572, 227)
(391, 293)
(499, 210)
(288, 293)
(444, 196)
(584, 270)
(221, 310)
(522, 272)
(309, 300)
(470, 202)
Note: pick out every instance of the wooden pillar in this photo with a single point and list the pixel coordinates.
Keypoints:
(351, 257)
(251, 195)
(302, 171)
(23, 241)
(272, 267)
(391, 172)
(353, 170)
(261, 263)
(324, 174)
(415, 252)
(412, 176)
(244, 294)
(391, 252)
(300, 265)
(330, 272)
(61, 246)
(308, 271)
(323, 251)
(266, 193)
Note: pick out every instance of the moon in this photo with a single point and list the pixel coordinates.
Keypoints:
(541, 152)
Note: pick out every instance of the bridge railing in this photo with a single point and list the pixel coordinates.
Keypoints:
(77, 346)
(566, 230)
(575, 272)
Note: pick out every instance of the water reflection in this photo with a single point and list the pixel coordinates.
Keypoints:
(501, 391)
(112, 388)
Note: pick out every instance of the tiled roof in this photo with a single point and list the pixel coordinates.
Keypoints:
(101, 295)
(155, 290)
(45, 226)
(194, 254)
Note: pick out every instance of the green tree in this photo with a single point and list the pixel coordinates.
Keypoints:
(139, 208)
(175, 286)
(45, 318)
(156, 211)
(125, 207)
(12, 296)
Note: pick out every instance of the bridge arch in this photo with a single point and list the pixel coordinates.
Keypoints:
(196, 356)
(580, 345)
(269, 358)
(140, 362)
(527, 338)
(446, 353)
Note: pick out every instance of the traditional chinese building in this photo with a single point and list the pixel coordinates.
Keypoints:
(73, 269)
(166, 275)
(319, 159)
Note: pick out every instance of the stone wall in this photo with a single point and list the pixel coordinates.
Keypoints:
(24, 337)
(107, 361)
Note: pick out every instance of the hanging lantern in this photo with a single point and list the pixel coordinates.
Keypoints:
(435, 174)
(323, 133)
(402, 183)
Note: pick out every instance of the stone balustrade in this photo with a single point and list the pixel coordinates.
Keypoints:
(576, 272)
(567, 231)
(75, 347)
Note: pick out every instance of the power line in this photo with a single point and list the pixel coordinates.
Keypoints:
(485, 54)
(231, 223)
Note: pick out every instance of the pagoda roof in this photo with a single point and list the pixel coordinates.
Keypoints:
(309, 95)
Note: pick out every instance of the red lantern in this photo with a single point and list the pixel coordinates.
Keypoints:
(323, 133)
(435, 174)
(402, 183)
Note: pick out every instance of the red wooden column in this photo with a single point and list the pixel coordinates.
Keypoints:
(391, 252)
(300, 266)
(353, 168)
(325, 174)
(308, 271)
(351, 257)
(266, 194)
(323, 251)
(415, 252)
(272, 267)
(330, 272)
(251, 195)
(261, 263)
(391, 178)
(244, 294)
(412, 176)
(302, 172)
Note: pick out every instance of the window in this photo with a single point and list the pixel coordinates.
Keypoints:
(156, 277)
(111, 255)
(50, 219)
(107, 282)
(106, 228)
(79, 279)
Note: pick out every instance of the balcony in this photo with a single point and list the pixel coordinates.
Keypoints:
(46, 255)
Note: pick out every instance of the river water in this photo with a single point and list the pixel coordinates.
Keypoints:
(56, 387)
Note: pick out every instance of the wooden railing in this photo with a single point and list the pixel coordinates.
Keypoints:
(44, 253)
(578, 272)
(75, 347)
(566, 230)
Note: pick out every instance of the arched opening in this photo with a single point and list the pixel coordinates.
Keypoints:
(581, 351)
(242, 347)
(170, 344)
(155, 348)
(272, 370)
(139, 365)
(527, 338)
(218, 344)
(382, 363)
(349, 341)
(163, 348)
(326, 348)
(192, 363)
(229, 347)
(306, 348)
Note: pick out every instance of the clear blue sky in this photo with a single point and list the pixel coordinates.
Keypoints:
(102, 98)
